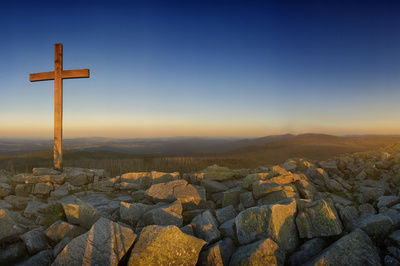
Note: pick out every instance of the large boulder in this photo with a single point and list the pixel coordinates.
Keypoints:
(80, 213)
(317, 219)
(219, 173)
(13, 252)
(205, 226)
(376, 226)
(218, 253)
(5, 190)
(275, 221)
(44, 257)
(355, 249)
(165, 245)
(170, 214)
(190, 196)
(225, 214)
(35, 241)
(262, 252)
(104, 244)
(9, 229)
(60, 229)
(78, 176)
(307, 251)
(132, 212)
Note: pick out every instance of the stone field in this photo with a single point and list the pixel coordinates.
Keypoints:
(344, 211)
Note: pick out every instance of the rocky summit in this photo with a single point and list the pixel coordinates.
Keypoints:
(343, 211)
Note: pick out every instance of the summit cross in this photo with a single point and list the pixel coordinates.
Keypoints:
(58, 75)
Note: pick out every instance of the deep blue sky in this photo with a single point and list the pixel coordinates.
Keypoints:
(203, 68)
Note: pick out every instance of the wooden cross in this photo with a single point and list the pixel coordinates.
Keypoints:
(58, 75)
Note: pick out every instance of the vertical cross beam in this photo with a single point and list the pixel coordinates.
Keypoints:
(58, 106)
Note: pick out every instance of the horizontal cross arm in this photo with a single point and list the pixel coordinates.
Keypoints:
(71, 74)
(41, 76)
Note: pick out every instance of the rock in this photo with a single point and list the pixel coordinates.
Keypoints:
(42, 258)
(289, 165)
(273, 221)
(23, 190)
(231, 197)
(213, 186)
(387, 201)
(263, 188)
(376, 226)
(250, 179)
(5, 205)
(138, 195)
(334, 185)
(44, 171)
(159, 245)
(366, 209)
(170, 214)
(190, 196)
(106, 240)
(227, 229)
(206, 227)
(17, 202)
(372, 190)
(306, 189)
(60, 229)
(394, 238)
(13, 252)
(286, 192)
(34, 208)
(35, 241)
(5, 190)
(262, 252)
(317, 219)
(131, 213)
(329, 165)
(225, 214)
(348, 215)
(363, 252)
(61, 245)
(187, 229)
(394, 252)
(389, 260)
(78, 176)
(218, 253)
(246, 199)
(307, 251)
(9, 229)
(146, 179)
(81, 214)
(219, 173)
(43, 189)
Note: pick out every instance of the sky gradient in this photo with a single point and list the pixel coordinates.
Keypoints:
(202, 68)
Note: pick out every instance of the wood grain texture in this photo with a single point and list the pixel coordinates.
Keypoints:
(41, 76)
(78, 73)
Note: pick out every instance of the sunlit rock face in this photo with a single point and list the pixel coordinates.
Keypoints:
(159, 245)
(104, 244)
(343, 211)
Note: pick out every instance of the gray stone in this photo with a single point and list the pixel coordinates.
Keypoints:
(44, 171)
(363, 252)
(13, 252)
(394, 238)
(263, 252)
(316, 219)
(61, 245)
(81, 214)
(146, 179)
(218, 253)
(17, 202)
(23, 190)
(348, 215)
(213, 186)
(42, 258)
(376, 226)
(227, 229)
(390, 261)
(9, 229)
(387, 201)
(190, 196)
(269, 221)
(307, 251)
(107, 242)
(78, 176)
(5, 190)
(43, 189)
(60, 229)
(35, 241)
(366, 208)
(246, 199)
(231, 197)
(205, 226)
(187, 229)
(165, 245)
(131, 213)
(170, 214)
(225, 214)
(287, 192)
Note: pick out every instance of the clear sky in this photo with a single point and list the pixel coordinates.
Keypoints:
(202, 68)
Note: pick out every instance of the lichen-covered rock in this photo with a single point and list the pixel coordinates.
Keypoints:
(225, 214)
(159, 245)
(78, 176)
(23, 190)
(218, 253)
(251, 178)
(376, 226)
(307, 251)
(60, 229)
(5, 190)
(269, 221)
(318, 218)
(44, 257)
(104, 244)
(355, 249)
(145, 179)
(132, 212)
(190, 196)
(262, 252)
(286, 192)
(213, 186)
(219, 173)
(205, 226)
(231, 197)
(81, 214)
(246, 199)
(43, 189)
(9, 229)
(170, 214)
(35, 241)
